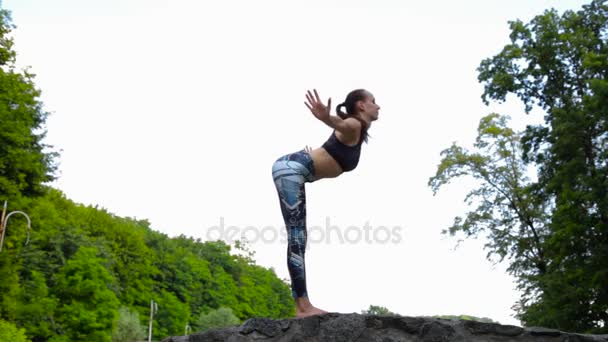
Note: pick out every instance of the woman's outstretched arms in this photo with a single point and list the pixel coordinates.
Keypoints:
(323, 113)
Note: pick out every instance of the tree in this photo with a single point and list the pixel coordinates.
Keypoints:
(87, 306)
(172, 317)
(508, 213)
(24, 163)
(559, 64)
(377, 310)
(36, 306)
(219, 318)
(9, 332)
(127, 327)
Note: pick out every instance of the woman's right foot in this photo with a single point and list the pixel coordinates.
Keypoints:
(304, 308)
(309, 312)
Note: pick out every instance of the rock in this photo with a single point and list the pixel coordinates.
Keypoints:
(377, 328)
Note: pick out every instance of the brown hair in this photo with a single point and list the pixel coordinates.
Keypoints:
(351, 105)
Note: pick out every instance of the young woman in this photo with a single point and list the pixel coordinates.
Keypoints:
(340, 153)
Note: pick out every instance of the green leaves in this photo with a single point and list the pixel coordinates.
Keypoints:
(9, 332)
(83, 263)
(127, 327)
(7, 55)
(377, 310)
(24, 163)
(87, 306)
(560, 242)
(219, 318)
(506, 212)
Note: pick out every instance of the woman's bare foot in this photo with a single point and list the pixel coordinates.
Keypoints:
(311, 312)
(305, 309)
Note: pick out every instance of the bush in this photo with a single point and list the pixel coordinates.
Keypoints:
(127, 327)
(222, 317)
(10, 332)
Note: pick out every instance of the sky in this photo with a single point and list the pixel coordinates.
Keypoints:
(174, 112)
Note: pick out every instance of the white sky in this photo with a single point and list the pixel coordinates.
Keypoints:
(174, 111)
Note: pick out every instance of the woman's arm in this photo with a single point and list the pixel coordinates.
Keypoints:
(322, 112)
(346, 127)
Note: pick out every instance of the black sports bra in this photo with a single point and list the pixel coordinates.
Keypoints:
(346, 156)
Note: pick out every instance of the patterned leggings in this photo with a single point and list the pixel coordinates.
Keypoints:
(290, 172)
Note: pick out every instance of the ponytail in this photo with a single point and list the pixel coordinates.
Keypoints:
(340, 113)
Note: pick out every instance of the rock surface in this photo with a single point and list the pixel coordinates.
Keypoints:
(376, 328)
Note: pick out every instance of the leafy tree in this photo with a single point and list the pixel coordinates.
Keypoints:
(9, 332)
(219, 318)
(9, 286)
(88, 307)
(24, 163)
(36, 306)
(127, 327)
(172, 317)
(121, 242)
(507, 211)
(378, 310)
(560, 65)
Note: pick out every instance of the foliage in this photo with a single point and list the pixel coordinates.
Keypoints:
(36, 306)
(9, 332)
(378, 310)
(558, 64)
(87, 307)
(508, 214)
(24, 163)
(127, 327)
(83, 263)
(218, 318)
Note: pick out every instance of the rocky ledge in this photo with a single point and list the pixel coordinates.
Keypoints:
(356, 327)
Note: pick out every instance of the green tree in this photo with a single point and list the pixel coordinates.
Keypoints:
(219, 318)
(36, 306)
(9, 332)
(127, 327)
(559, 64)
(172, 317)
(24, 163)
(87, 306)
(507, 212)
(378, 310)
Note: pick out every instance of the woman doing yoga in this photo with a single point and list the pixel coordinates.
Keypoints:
(340, 153)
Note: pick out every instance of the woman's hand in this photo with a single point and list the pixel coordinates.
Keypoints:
(317, 108)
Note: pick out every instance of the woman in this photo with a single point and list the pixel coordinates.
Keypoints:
(340, 153)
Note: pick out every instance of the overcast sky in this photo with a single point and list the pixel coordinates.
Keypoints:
(174, 111)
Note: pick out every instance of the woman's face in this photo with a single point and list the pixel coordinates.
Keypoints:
(369, 108)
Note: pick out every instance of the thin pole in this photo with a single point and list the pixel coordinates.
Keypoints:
(3, 216)
(152, 307)
(2, 224)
